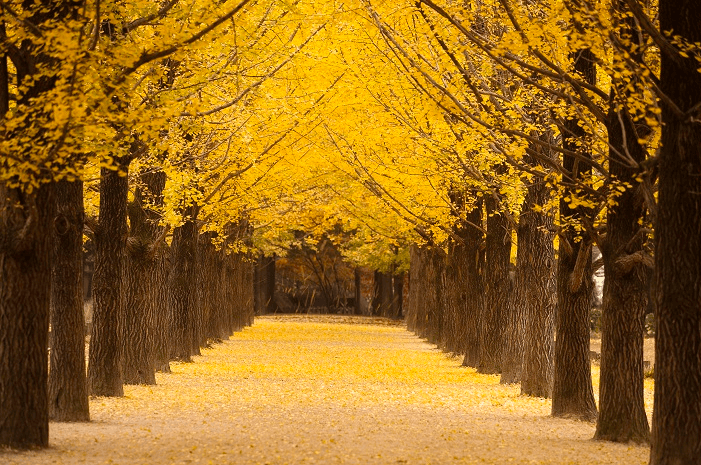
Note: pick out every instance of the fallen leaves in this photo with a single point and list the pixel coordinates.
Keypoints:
(321, 391)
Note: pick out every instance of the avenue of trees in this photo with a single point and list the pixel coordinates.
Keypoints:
(485, 146)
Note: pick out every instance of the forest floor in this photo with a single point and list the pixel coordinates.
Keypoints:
(331, 390)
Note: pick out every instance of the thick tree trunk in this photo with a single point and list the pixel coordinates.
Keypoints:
(182, 293)
(573, 395)
(497, 288)
(139, 338)
(68, 388)
(622, 416)
(473, 284)
(536, 277)
(105, 355)
(676, 422)
(25, 276)
(161, 273)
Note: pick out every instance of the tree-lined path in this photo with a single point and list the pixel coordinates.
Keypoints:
(325, 390)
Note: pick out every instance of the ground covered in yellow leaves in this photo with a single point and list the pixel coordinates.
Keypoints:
(325, 390)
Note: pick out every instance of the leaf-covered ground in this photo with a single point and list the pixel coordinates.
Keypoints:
(325, 390)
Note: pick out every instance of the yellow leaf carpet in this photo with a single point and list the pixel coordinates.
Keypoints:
(326, 390)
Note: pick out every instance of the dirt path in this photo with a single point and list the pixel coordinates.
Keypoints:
(310, 391)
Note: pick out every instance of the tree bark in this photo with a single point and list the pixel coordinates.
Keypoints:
(536, 277)
(622, 416)
(265, 285)
(182, 293)
(382, 300)
(139, 338)
(397, 295)
(676, 422)
(573, 394)
(164, 318)
(25, 274)
(472, 276)
(357, 307)
(68, 389)
(497, 288)
(105, 355)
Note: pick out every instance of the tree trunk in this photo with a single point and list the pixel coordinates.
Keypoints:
(161, 273)
(414, 299)
(382, 300)
(473, 284)
(497, 288)
(265, 285)
(622, 416)
(397, 295)
(357, 307)
(451, 301)
(68, 388)
(435, 323)
(573, 395)
(676, 422)
(181, 283)
(139, 338)
(536, 276)
(25, 274)
(105, 355)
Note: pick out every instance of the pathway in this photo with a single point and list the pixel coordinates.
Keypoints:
(293, 390)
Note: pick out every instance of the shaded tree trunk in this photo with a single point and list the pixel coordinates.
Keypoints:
(163, 321)
(382, 300)
(573, 395)
(622, 416)
(68, 389)
(414, 297)
(676, 422)
(397, 295)
(139, 339)
(497, 288)
(474, 257)
(451, 300)
(105, 355)
(536, 277)
(265, 285)
(182, 292)
(25, 274)
(357, 307)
